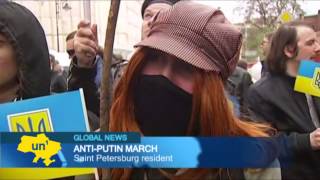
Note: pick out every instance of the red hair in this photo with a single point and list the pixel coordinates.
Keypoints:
(210, 107)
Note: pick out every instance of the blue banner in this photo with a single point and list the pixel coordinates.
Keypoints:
(63, 112)
(128, 150)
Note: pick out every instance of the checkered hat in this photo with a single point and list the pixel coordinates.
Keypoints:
(199, 35)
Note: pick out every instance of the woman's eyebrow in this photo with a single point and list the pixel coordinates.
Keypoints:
(310, 41)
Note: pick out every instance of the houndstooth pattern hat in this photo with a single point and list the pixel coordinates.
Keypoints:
(197, 34)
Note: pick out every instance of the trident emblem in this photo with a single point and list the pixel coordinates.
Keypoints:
(316, 78)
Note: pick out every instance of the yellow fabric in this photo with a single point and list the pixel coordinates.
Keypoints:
(306, 85)
(42, 173)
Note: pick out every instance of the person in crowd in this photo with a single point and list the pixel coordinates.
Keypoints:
(83, 68)
(83, 78)
(83, 75)
(294, 114)
(317, 56)
(98, 58)
(149, 9)
(58, 80)
(237, 86)
(24, 60)
(265, 46)
(24, 57)
(174, 86)
(69, 44)
(70, 51)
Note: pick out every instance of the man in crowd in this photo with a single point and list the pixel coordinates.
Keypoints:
(86, 48)
(69, 44)
(293, 114)
(265, 46)
(317, 56)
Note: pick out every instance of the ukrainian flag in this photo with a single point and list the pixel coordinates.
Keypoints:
(308, 78)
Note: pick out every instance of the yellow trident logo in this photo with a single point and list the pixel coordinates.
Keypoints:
(316, 78)
(35, 121)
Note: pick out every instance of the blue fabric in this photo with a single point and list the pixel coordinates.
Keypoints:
(307, 68)
(236, 104)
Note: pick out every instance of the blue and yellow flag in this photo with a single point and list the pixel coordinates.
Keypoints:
(56, 113)
(308, 78)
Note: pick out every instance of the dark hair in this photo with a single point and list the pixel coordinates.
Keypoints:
(284, 37)
(71, 35)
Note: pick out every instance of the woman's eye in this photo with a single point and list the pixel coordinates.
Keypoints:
(147, 16)
(310, 43)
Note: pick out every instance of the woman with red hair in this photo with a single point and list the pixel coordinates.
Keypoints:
(174, 85)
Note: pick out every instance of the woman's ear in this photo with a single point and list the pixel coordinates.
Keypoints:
(288, 51)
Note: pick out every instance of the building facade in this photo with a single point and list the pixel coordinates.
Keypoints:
(60, 17)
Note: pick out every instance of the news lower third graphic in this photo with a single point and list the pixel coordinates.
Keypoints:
(129, 150)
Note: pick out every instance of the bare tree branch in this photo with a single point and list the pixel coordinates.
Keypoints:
(262, 13)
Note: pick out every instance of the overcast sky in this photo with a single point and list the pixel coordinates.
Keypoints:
(227, 6)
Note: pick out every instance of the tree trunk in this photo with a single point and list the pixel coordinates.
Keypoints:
(106, 89)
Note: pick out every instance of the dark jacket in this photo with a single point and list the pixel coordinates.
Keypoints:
(58, 82)
(264, 68)
(237, 87)
(274, 100)
(27, 37)
(85, 78)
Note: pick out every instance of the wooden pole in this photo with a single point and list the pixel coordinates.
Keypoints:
(106, 89)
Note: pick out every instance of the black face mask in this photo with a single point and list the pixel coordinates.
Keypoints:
(161, 108)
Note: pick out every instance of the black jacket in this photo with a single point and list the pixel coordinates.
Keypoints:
(274, 100)
(84, 78)
(238, 85)
(28, 39)
(58, 83)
